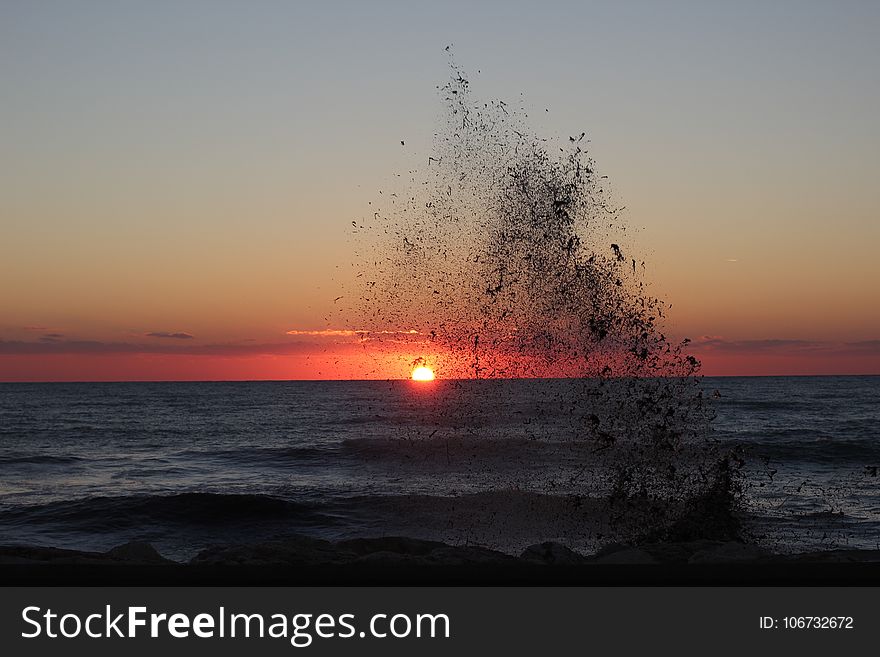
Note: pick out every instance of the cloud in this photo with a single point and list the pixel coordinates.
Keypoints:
(164, 334)
(716, 343)
(781, 346)
(316, 342)
(327, 333)
(865, 346)
(308, 341)
(97, 348)
(406, 335)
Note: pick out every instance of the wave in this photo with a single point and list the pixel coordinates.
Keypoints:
(824, 515)
(38, 459)
(767, 404)
(268, 454)
(445, 447)
(199, 509)
(826, 450)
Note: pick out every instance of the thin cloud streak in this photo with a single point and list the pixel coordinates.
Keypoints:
(326, 333)
(95, 347)
(782, 346)
(54, 344)
(360, 335)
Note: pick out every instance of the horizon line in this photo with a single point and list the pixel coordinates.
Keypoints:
(388, 380)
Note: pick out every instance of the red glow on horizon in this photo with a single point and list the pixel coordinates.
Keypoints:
(352, 363)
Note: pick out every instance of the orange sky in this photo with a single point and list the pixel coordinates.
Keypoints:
(177, 191)
(328, 358)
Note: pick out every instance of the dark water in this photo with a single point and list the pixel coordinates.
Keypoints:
(186, 465)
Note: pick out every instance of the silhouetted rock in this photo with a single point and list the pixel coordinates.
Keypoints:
(31, 555)
(301, 550)
(391, 544)
(133, 553)
(831, 556)
(293, 550)
(731, 551)
(680, 552)
(137, 552)
(630, 556)
(416, 551)
(384, 554)
(551, 553)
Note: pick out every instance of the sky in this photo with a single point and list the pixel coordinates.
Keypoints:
(178, 179)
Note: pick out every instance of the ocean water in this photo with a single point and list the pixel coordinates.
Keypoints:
(189, 465)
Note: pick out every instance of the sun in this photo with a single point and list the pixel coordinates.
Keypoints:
(422, 373)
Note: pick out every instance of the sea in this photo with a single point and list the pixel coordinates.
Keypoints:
(188, 465)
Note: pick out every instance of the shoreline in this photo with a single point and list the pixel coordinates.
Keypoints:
(400, 561)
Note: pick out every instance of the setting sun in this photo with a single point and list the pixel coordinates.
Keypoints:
(423, 373)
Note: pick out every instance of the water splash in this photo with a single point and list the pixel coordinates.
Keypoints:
(501, 259)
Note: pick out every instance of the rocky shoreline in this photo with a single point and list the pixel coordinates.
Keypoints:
(301, 559)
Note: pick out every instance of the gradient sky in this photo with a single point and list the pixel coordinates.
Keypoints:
(178, 179)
